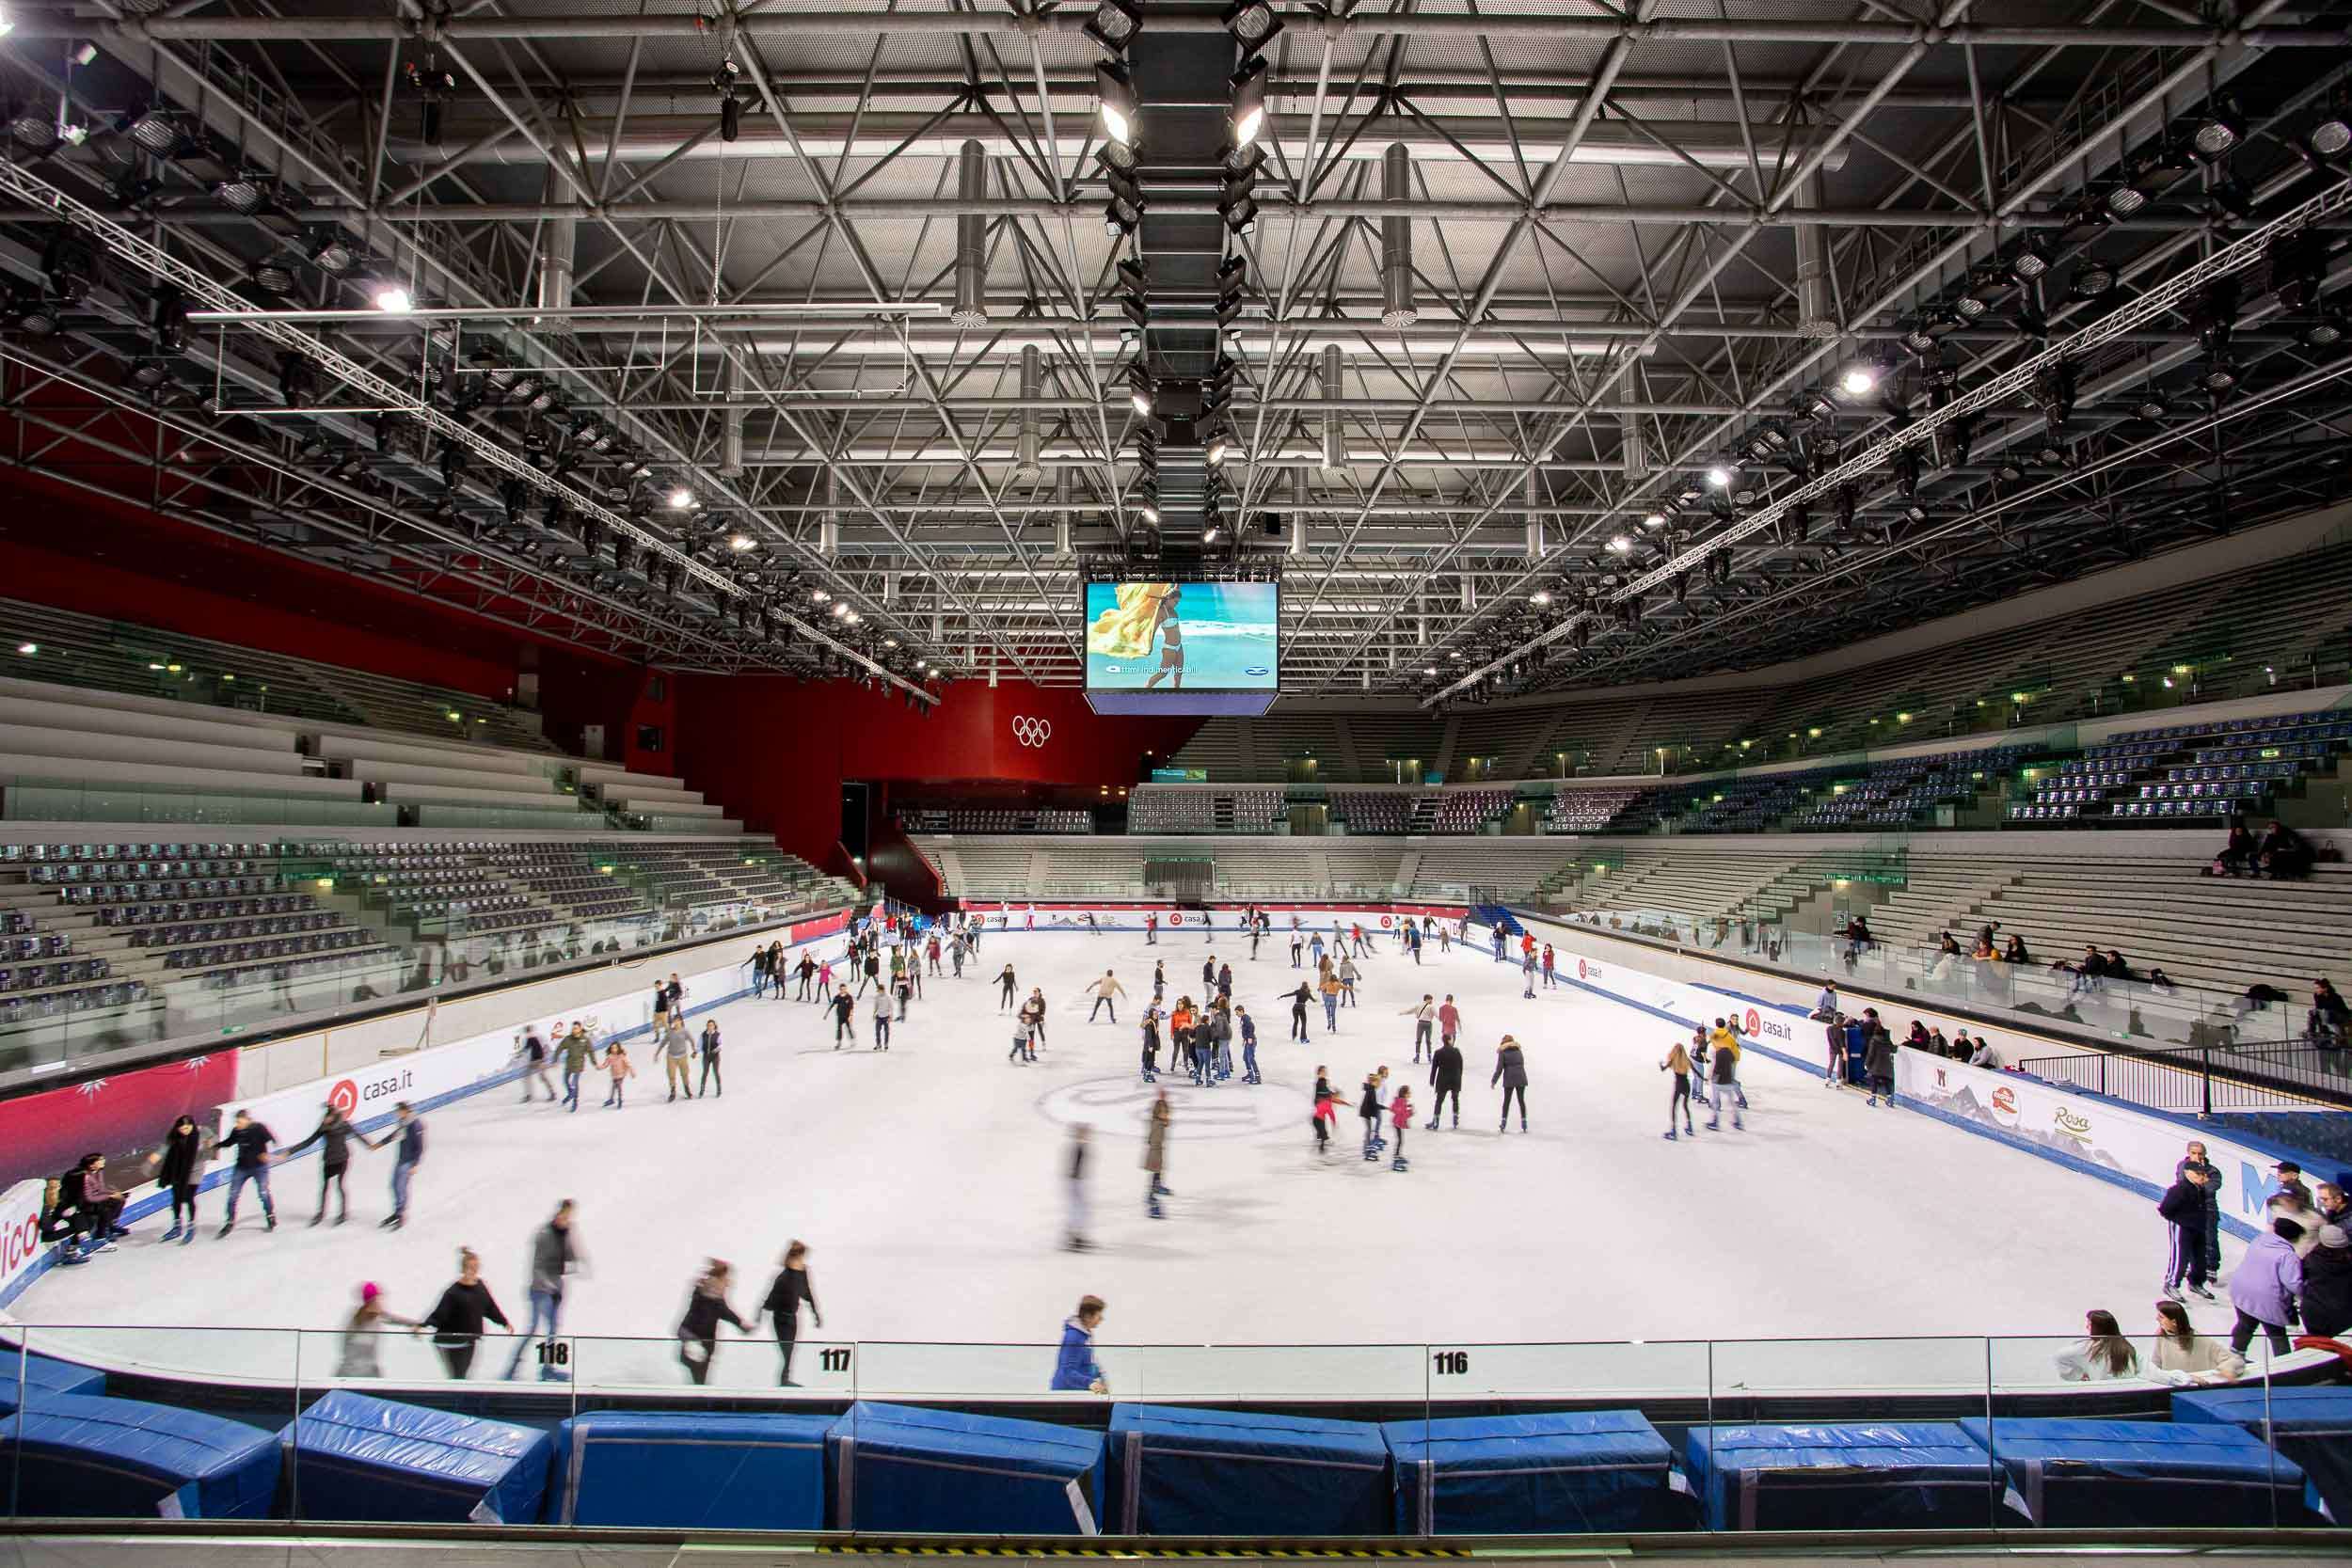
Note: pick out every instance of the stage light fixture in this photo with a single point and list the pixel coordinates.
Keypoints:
(1116, 91)
(392, 300)
(171, 320)
(2091, 279)
(157, 131)
(2215, 133)
(1140, 392)
(1720, 476)
(1247, 91)
(1114, 25)
(273, 277)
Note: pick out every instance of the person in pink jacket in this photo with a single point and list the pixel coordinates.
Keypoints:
(1399, 1117)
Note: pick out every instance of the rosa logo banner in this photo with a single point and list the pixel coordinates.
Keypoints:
(1031, 731)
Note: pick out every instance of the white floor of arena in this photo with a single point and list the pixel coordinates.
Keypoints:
(926, 1182)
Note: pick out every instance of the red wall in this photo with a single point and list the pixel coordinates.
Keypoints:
(774, 750)
(620, 698)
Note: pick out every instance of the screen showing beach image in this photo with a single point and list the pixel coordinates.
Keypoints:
(1182, 636)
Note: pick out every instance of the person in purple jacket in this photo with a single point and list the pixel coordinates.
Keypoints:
(2263, 1289)
(1076, 1370)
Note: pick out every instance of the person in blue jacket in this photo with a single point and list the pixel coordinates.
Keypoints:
(1075, 1369)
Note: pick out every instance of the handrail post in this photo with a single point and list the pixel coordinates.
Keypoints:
(2206, 1081)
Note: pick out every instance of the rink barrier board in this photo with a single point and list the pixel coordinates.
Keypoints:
(25, 1257)
(2058, 1124)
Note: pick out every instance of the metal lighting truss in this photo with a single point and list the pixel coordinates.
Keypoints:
(1505, 283)
(165, 267)
(2012, 383)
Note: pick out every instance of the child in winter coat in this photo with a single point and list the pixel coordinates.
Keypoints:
(1399, 1117)
(616, 1062)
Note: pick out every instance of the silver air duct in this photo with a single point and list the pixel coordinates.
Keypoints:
(1334, 425)
(731, 426)
(828, 523)
(1815, 315)
(971, 239)
(1396, 241)
(1032, 389)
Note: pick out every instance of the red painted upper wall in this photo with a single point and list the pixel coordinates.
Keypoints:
(774, 750)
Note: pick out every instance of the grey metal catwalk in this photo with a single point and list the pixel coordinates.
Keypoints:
(833, 279)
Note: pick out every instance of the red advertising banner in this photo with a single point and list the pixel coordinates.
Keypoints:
(41, 1134)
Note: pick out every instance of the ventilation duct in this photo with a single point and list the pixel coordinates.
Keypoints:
(1396, 241)
(971, 239)
(1334, 424)
(1815, 314)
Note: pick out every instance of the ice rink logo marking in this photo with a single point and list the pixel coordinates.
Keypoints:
(1118, 1106)
(344, 1096)
(1031, 731)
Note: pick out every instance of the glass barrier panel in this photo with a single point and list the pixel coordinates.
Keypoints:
(1312, 1372)
(1785, 1369)
(1599, 1371)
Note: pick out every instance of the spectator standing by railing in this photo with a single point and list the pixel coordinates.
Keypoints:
(2184, 1206)
(2209, 1219)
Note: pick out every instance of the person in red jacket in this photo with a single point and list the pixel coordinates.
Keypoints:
(1399, 1117)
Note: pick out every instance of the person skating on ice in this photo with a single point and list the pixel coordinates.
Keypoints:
(1679, 1063)
(1224, 991)
(1368, 1110)
(1425, 1015)
(1034, 1011)
(1151, 929)
(707, 1047)
(2183, 1208)
(1878, 1066)
(1155, 1154)
(1300, 998)
(882, 1012)
(1400, 1118)
(555, 1257)
(333, 1135)
(1106, 993)
(178, 1167)
(1329, 986)
(533, 1053)
(783, 1306)
(705, 1309)
(1006, 986)
(364, 1334)
(620, 1070)
(1726, 1075)
(1834, 1030)
(807, 970)
(844, 1005)
(248, 1142)
(1248, 1027)
(677, 1050)
(1076, 1228)
(458, 1318)
(1298, 948)
(1348, 974)
(1511, 1072)
(1151, 1043)
(1445, 1081)
(1527, 971)
(409, 1131)
(1550, 980)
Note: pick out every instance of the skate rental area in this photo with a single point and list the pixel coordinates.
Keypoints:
(1820, 1240)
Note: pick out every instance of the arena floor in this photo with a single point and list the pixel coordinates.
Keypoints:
(927, 1182)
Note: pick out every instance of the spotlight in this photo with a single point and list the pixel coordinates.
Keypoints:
(2298, 261)
(1216, 449)
(1253, 22)
(680, 499)
(1231, 281)
(2051, 453)
(2215, 133)
(1247, 117)
(297, 382)
(1117, 91)
(1123, 211)
(149, 374)
(2215, 316)
(2054, 390)
(71, 264)
(2330, 137)
(1859, 380)
(1845, 508)
(244, 192)
(330, 254)
(2009, 470)
(1140, 392)
(2031, 259)
(160, 132)
(1114, 25)
(2221, 375)
(2151, 405)
(28, 313)
(2124, 198)
(1620, 545)
(2325, 332)
(1134, 288)
(1653, 520)
(730, 106)
(35, 133)
(394, 300)
(1907, 472)
(273, 277)
(1720, 477)
(2091, 279)
(1963, 434)
(1237, 207)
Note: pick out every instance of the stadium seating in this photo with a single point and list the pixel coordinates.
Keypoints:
(993, 819)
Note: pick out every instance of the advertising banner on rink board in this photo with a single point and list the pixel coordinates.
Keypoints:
(1222, 917)
(2094, 1135)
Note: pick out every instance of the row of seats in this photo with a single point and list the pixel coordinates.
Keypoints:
(243, 954)
(994, 819)
(183, 908)
(233, 930)
(74, 972)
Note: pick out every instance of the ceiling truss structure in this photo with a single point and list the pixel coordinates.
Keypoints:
(837, 379)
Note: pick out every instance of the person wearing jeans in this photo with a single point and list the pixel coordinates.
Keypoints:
(2263, 1289)
(554, 1254)
(405, 1159)
(250, 1140)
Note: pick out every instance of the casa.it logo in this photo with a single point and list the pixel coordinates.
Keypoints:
(1177, 919)
(1579, 969)
(1031, 731)
(1388, 920)
(1752, 1022)
(2005, 1101)
(344, 1096)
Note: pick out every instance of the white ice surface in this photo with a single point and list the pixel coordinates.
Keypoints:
(926, 1182)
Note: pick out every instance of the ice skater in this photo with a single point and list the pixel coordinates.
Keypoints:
(1329, 986)
(1369, 1110)
(676, 1051)
(1006, 986)
(1424, 1016)
(2183, 1207)
(533, 1053)
(333, 1135)
(1445, 1081)
(1399, 1117)
(179, 1168)
(705, 1309)
(620, 1070)
(555, 1255)
(1299, 1011)
(409, 1133)
(1248, 1027)
(1552, 980)
(708, 1045)
(1325, 1115)
(1527, 971)
(1679, 1063)
(459, 1317)
(1155, 1155)
(1150, 930)
(1511, 1072)
(882, 1012)
(783, 1306)
(1074, 1191)
(1836, 1031)
(1726, 1090)
(1298, 947)
(1878, 1065)
(248, 1142)
(579, 1054)
(1106, 993)
(844, 1007)
(1151, 1043)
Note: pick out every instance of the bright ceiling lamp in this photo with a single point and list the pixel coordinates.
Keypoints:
(1248, 91)
(1117, 91)
(394, 300)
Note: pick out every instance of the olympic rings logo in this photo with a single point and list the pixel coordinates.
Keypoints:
(1031, 731)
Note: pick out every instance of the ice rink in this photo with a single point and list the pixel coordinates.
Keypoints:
(926, 1181)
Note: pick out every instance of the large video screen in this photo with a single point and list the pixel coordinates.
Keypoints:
(1183, 636)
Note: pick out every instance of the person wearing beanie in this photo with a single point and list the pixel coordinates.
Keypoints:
(1511, 1072)
(364, 1332)
(2327, 1284)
